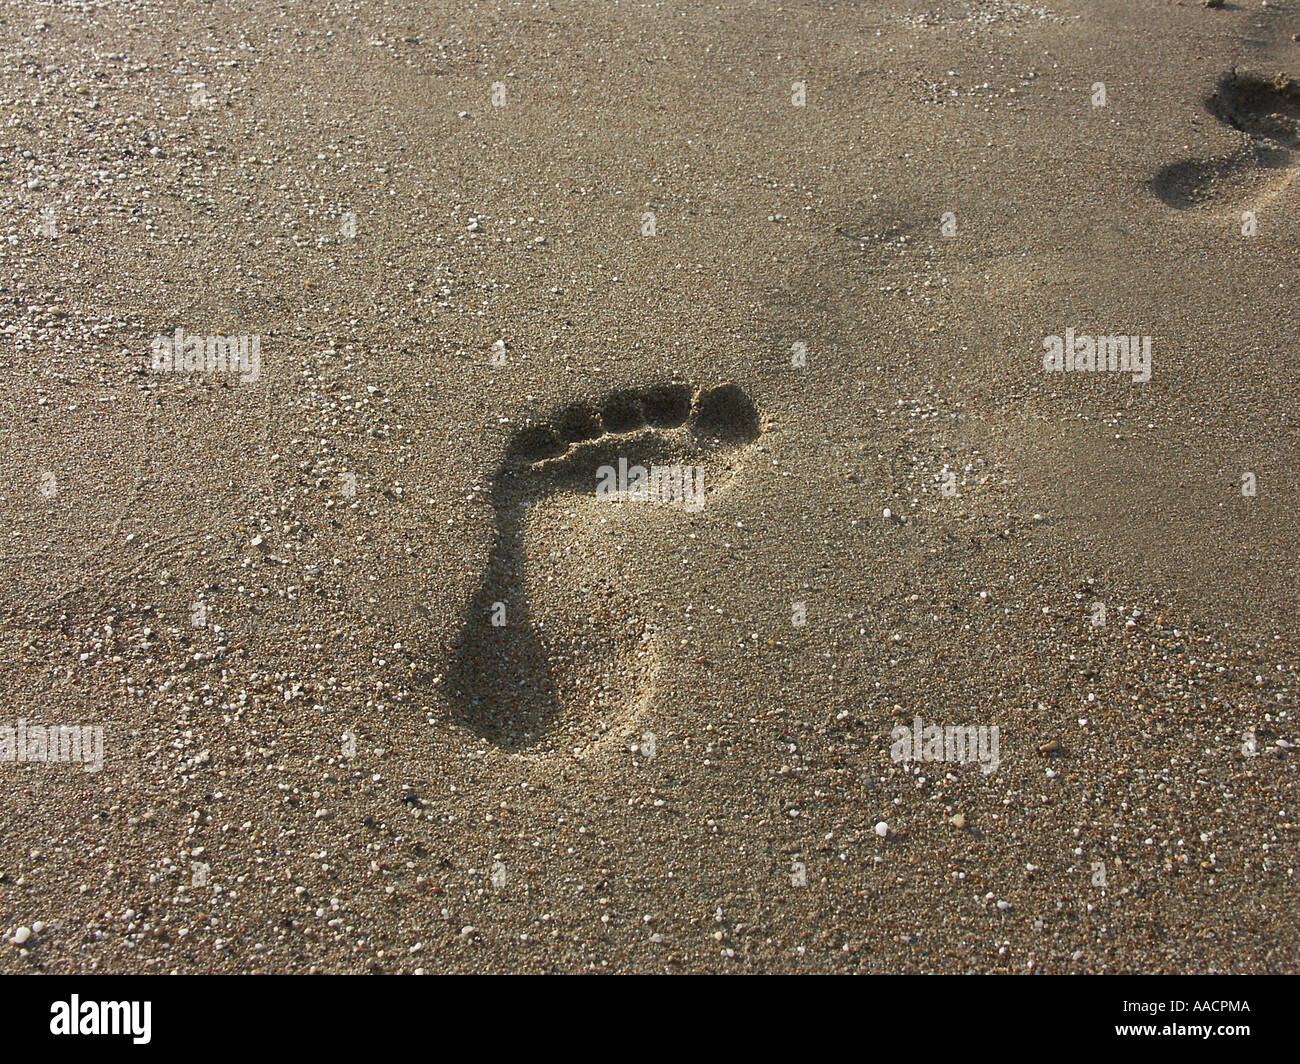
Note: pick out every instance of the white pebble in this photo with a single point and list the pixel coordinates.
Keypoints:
(882, 829)
(22, 935)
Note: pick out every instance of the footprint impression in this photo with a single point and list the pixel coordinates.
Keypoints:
(555, 649)
(1266, 108)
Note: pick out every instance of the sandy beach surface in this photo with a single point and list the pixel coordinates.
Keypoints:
(368, 671)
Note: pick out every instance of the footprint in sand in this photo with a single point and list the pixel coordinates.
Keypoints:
(1266, 108)
(555, 649)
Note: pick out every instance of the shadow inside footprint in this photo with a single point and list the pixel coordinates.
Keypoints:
(1195, 181)
(727, 415)
(498, 671)
(509, 679)
(1266, 108)
(1263, 107)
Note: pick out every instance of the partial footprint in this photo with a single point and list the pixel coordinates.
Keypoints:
(1262, 107)
(1266, 108)
(556, 649)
